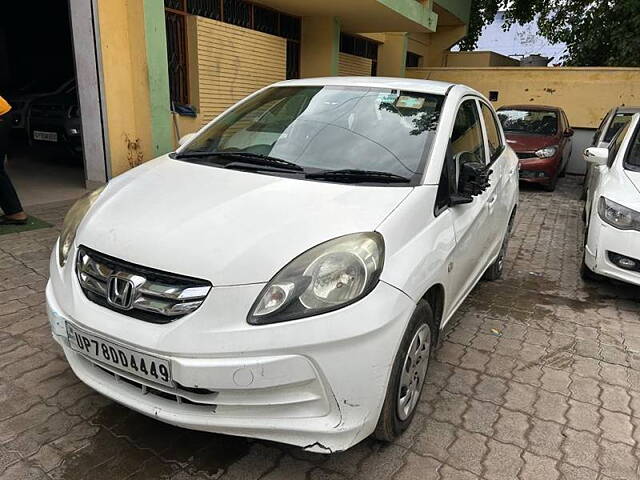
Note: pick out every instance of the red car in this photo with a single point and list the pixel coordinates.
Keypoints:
(541, 137)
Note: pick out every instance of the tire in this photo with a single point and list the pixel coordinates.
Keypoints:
(494, 272)
(587, 274)
(563, 172)
(400, 403)
(551, 186)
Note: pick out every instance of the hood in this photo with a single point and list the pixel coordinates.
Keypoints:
(226, 226)
(634, 177)
(529, 143)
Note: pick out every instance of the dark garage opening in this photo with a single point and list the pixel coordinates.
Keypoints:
(37, 77)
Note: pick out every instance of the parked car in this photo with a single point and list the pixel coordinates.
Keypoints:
(22, 99)
(541, 137)
(612, 209)
(54, 120)
(287, 272)
(611, 124)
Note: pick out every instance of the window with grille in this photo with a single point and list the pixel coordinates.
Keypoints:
(177, 56)
(237, 12)
(360, 47)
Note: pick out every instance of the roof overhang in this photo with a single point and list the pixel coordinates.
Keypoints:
(452, 12)
(365, 16)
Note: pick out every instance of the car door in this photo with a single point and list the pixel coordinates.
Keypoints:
(501, 182)
(471, 221)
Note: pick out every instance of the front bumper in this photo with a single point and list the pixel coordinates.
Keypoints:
(602, 240)
(539, 170)
(318, 383)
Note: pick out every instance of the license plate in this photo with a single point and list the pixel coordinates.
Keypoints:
(45, 136)
(139, 364)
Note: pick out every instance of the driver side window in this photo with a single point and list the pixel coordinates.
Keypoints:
(467, 141)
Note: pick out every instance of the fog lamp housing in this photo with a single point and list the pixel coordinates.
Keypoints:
(624, 262)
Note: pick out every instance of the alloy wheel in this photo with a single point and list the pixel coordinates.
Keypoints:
(414, 370)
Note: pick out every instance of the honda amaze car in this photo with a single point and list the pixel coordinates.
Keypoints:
(286, 273)
(541, 137)
(612, 208)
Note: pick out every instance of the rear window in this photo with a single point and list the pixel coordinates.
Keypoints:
(534, 122)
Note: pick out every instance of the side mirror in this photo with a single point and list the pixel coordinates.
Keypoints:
(568, 132)
(596, 155)
(186, 139)
(472, 179)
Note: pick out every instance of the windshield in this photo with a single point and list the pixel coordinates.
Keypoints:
(536, 122)
(619, 121)
(329, 128)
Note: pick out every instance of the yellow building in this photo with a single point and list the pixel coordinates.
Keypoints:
(169, 67)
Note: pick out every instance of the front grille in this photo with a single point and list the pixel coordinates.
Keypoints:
(524, 155)
(140, 292)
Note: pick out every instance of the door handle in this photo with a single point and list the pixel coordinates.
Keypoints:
(492, 200)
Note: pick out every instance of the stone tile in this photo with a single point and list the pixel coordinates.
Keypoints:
(468, 451)
(503, 462)
(545, 438)
(618, 460)
(580, 448)
(512, 427)
(537, 468)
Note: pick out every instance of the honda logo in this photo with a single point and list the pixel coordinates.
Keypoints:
(121, 291)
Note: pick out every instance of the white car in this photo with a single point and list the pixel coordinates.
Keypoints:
(611, 124)
(286, 273)
(612, 208)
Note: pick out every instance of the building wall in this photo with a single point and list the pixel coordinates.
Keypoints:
(126, 92)
(479, 59)
(353, 65)
(585, 94)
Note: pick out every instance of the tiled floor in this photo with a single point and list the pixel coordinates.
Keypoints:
(539, 379)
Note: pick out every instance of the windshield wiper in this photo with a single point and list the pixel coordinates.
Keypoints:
(358, 176)
(246, 157)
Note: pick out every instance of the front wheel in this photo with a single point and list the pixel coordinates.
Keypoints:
(408, 375)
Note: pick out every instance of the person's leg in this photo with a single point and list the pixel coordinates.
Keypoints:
(9, 201)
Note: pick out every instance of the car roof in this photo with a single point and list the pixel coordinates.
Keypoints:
(415, 85)
(530, 107)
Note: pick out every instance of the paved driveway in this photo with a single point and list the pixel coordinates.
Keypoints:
(539, 379)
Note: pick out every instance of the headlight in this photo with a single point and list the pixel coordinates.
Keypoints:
(327, 277)
(71, 221)
(547, 152)
(618, 215)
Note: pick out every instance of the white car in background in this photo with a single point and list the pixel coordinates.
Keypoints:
(611, 124)
(287, 272)
(612, 208)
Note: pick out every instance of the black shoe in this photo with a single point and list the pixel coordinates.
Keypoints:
(4, 220)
